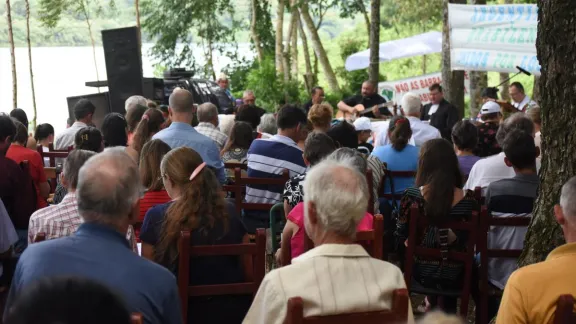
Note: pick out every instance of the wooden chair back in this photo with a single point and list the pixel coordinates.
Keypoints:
(53, 154)
(487, 221)
(478, 196)
(565, 310)
(389, 177)
(52, 174)
(234, 165)
(240, 184)
(372, 241)
(397, 314)
(418, 222)
(136, 318)
(39, 237)
(185, 251)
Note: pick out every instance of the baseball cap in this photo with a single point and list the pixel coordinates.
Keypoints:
(362, 124)
(490, 107)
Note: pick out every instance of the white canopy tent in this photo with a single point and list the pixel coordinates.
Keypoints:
(423, 44)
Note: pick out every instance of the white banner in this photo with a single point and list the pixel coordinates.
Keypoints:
(493, 37)
(394, 90)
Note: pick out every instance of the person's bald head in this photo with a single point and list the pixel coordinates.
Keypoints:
(108, 187)
(181, 101)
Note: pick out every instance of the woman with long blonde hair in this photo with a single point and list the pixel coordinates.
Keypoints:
(198, 205)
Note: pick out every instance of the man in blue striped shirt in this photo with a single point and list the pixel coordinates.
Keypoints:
(267, 158)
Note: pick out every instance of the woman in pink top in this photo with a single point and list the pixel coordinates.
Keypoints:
(295, 224)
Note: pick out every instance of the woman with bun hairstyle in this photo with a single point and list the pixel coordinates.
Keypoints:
(399, 155)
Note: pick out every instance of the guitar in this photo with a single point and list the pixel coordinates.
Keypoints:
(361, 111)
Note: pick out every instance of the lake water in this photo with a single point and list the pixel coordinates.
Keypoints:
(60, 72)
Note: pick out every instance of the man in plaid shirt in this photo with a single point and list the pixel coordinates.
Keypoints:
(208, 126)
(63, 219)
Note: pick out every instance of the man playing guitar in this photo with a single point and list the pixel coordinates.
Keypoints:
(368, 99)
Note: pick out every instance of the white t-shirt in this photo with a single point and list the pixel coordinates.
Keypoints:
(524, 102)
(433, 110)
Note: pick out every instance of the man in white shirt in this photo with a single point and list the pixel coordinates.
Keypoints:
(83, 112)
(421, 131)
(494, 168)
(521, 101)
(337, 276)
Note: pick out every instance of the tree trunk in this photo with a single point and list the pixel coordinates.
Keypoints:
(294, 45)
(254, 32)
(558, 104)
(424, 64)
(319, 49)
(365, 14)
(536, 91)
(504, 95)
(478, 81)
(288, 58)
(309, 80)
(30, 63)
(12, 56)
(374, 68)
(280, 37)
(84, 9)
(452, 81)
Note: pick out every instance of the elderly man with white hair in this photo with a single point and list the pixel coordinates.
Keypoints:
(208, 124)
(134, 101)
(267, 125)
(338, 276)
(531, 292)
(421, 131)
(108, 195)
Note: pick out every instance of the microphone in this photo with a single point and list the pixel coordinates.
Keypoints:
(523, 71)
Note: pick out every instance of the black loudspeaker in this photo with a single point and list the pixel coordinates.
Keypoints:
(100, 100)
(153, 89)
(123, 65)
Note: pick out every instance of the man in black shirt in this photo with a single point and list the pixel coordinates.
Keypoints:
(317, 98)
(369, 98)
(441, 114)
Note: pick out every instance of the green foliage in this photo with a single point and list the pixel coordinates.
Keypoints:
(352, 79)
(238, 74)
(51, 11)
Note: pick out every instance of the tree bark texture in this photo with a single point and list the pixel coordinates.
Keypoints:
(280, 37)
(309, 80)
(452, 81)
(365, 14)
(536, 91)
(27, 2)
(84, 8)
(254, 32)
(294, 47)
(558, 104)
(478, 81)
(12, 56)
(374, 68)
(288, 51)
(319, 49)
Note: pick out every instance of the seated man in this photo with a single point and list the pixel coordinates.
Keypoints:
(338, 276)
(267, 158)
(108, 195)
(531, 292)
(208, 124)
(493, 168)
(64, 219)
(512, 197)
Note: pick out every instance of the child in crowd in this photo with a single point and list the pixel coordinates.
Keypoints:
(364, 132)
(491, 116)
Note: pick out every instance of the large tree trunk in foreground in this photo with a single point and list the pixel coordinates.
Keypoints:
(12, 56)
(374, 68)
(319, 49)
(452, 81)
(280, 37)
(558, 110)
(30, 63)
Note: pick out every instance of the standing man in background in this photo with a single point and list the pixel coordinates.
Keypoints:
(441, 114)
(519, 98)
(317, 98)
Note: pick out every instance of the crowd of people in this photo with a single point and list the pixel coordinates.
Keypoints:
(128, 188)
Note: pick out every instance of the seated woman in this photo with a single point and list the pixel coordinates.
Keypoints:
(133, 118)
(294, 228)
(320, 116)
(151, 177)
(465, 139)
(440, 199)
(198, 206)
(398, 156)
(239, 141)
(44, 136)
(151, 123)
(20, 115)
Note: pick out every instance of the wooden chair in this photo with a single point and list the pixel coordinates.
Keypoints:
(186, 251)
(234, 165)
(565, 310)
(398, 313)
(371, 240)
(39, 237)
(136, 318)
(392, 175)
(467, 258)
(487, 221)
(240, 184)
(52, 174)
(53, 154)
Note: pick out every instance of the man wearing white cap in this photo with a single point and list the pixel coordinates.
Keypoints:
(364, 132)
(491, 116)
(421, 131)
